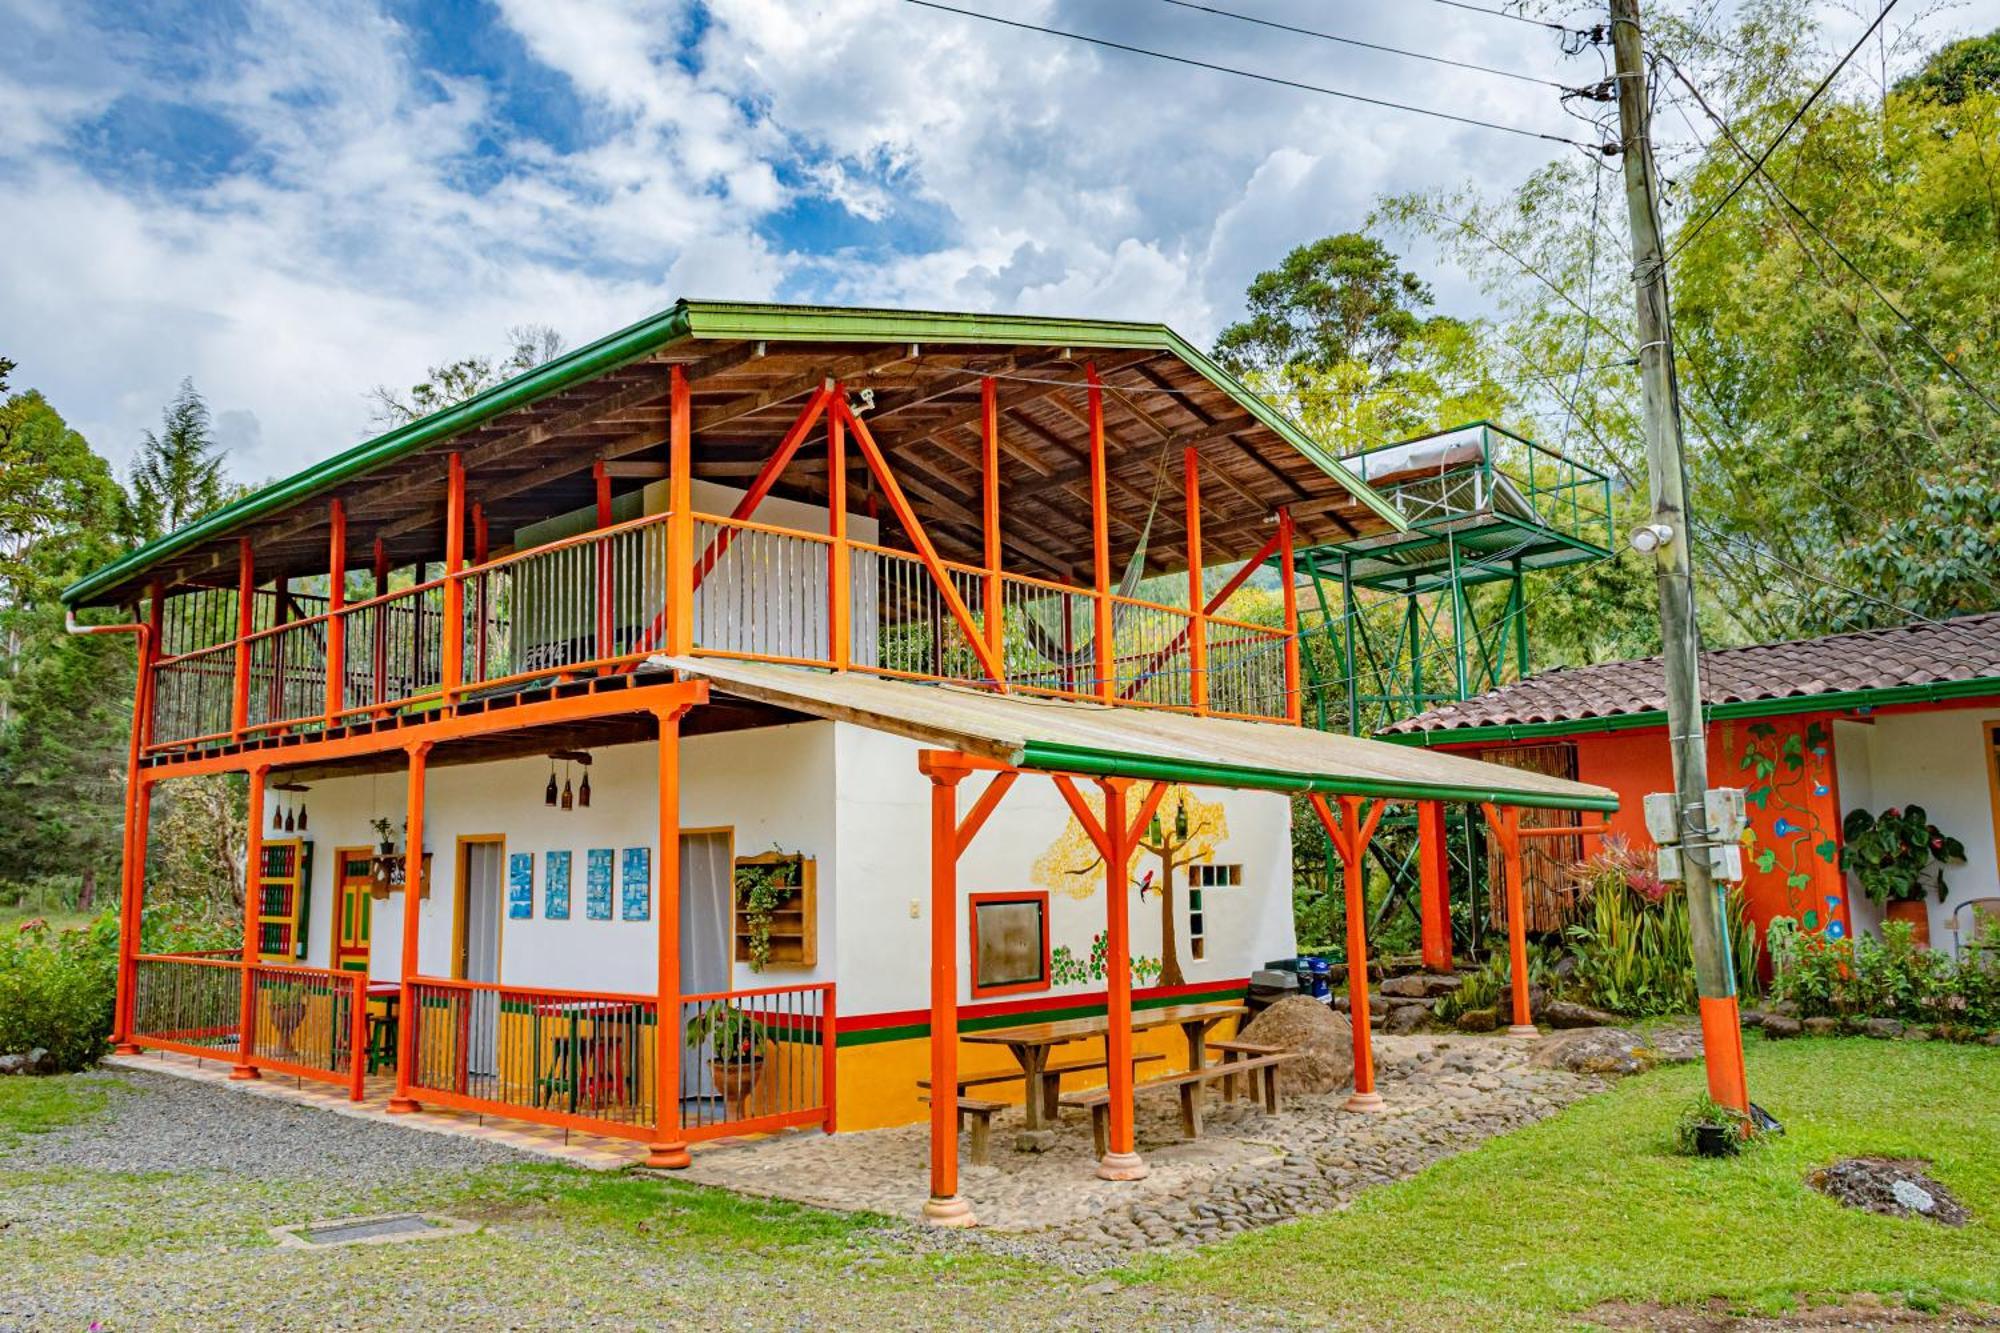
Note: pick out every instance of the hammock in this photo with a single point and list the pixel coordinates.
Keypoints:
(1048, 644)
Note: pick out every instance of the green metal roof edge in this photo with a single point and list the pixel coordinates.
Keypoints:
(726, 319)
(714, 320)
(612, 350)
(1054, 757)
(1832, 702)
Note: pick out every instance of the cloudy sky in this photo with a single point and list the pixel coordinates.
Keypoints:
(291, 202)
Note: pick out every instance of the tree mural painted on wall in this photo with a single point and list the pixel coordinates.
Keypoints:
(1185, 831)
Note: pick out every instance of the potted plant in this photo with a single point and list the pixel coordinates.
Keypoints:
(387, 873)
(764, 884)
(1708, 1129)
(1891, 854)
(735, 1044)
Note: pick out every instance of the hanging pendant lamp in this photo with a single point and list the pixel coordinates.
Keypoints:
(277, 817)
(291, 823)
(302, 816)
(568, 795)
(549, 792)
(583, 791)
(1181, 821)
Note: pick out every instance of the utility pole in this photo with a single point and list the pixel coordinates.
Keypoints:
(1667, 533)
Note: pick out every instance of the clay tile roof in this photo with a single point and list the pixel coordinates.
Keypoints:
(1967, 648)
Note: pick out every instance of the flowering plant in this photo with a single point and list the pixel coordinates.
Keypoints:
(1890, 852)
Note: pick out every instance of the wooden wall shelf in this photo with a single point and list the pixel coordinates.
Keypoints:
(794, 924)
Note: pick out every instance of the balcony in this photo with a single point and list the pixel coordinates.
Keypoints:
(597, 604)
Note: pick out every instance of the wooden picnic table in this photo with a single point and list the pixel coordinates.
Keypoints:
(1031, 1043)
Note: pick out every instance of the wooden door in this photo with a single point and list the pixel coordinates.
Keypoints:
(353, 907)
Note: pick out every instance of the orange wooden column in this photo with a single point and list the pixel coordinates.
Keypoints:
(1120, 1161)
(839, 580)
(1290, 591)
(336, 600)
(1434, 885)
(402, 1102)
(944, 1207)
(453, 657)
(1197, 598)
(1350, 834)
(669, 1148)
(246, 623)
(680, 521)
(989, 491)
(1100, 545)
(132, 863)
(246, 1031)
(1505, 821)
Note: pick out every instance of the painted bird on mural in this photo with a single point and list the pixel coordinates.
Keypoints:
(1144, 884)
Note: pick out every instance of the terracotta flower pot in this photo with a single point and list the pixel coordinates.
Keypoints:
(1918, 913)
(736, 1080)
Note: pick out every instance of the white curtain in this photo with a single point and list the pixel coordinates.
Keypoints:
(705, 946)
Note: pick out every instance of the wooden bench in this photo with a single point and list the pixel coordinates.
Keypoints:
(982, 1113)
(1051, 1076)
(1256, 1068)
(1231, 1051)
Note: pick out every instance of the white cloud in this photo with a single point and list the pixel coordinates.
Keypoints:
(375, 214)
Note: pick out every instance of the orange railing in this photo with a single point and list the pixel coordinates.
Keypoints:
(189, 1004)
(310, 1022)
(757, 1060)
(578, 1059)
(598, 603)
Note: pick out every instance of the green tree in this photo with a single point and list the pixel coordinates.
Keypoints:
(65, 701)
(1816, 415)
(1962, 69)
(528, 346)
(178, 475)
(1337, 336)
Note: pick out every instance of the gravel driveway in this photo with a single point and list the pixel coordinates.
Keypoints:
(155, 1215)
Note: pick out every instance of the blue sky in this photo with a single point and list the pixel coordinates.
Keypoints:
(292, 202)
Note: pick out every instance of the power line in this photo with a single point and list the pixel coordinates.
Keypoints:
(1371, 46)
(1190, 61)
(1688, 234)
(1757, 169)
(1506, 14)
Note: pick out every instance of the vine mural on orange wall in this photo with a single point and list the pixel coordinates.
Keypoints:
(1791, 856)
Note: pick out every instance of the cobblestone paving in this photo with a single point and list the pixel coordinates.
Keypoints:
(1444, 1093)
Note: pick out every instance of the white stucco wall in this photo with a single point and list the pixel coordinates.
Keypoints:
(1936, 760)
(768, 784)
(850, 797)
(884, 820)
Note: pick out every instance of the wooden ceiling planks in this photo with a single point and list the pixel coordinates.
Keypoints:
(535, 460)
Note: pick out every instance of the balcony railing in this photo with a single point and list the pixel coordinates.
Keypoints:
(310, 1022)
(599, 602)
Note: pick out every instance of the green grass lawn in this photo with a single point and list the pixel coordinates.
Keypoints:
(1593, 1207)
(1532, 1230)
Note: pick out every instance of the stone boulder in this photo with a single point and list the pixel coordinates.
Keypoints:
(1781, 1026)
(1594, 1051)
(1883, 1029)
(14, 1062)
(1321, 1039)
(1406, 1018)
(1821, 1027)
(1564, 1014)
(1479, 1020)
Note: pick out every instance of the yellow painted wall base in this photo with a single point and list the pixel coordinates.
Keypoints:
(878, 1082)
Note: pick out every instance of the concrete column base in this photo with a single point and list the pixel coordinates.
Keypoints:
(1367, 1103)
(126, 1048)
(669, 1157)
(242, 1072)
(403, 1106)
(1525, 1030)
(1122, 1166)
(952, 1212)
